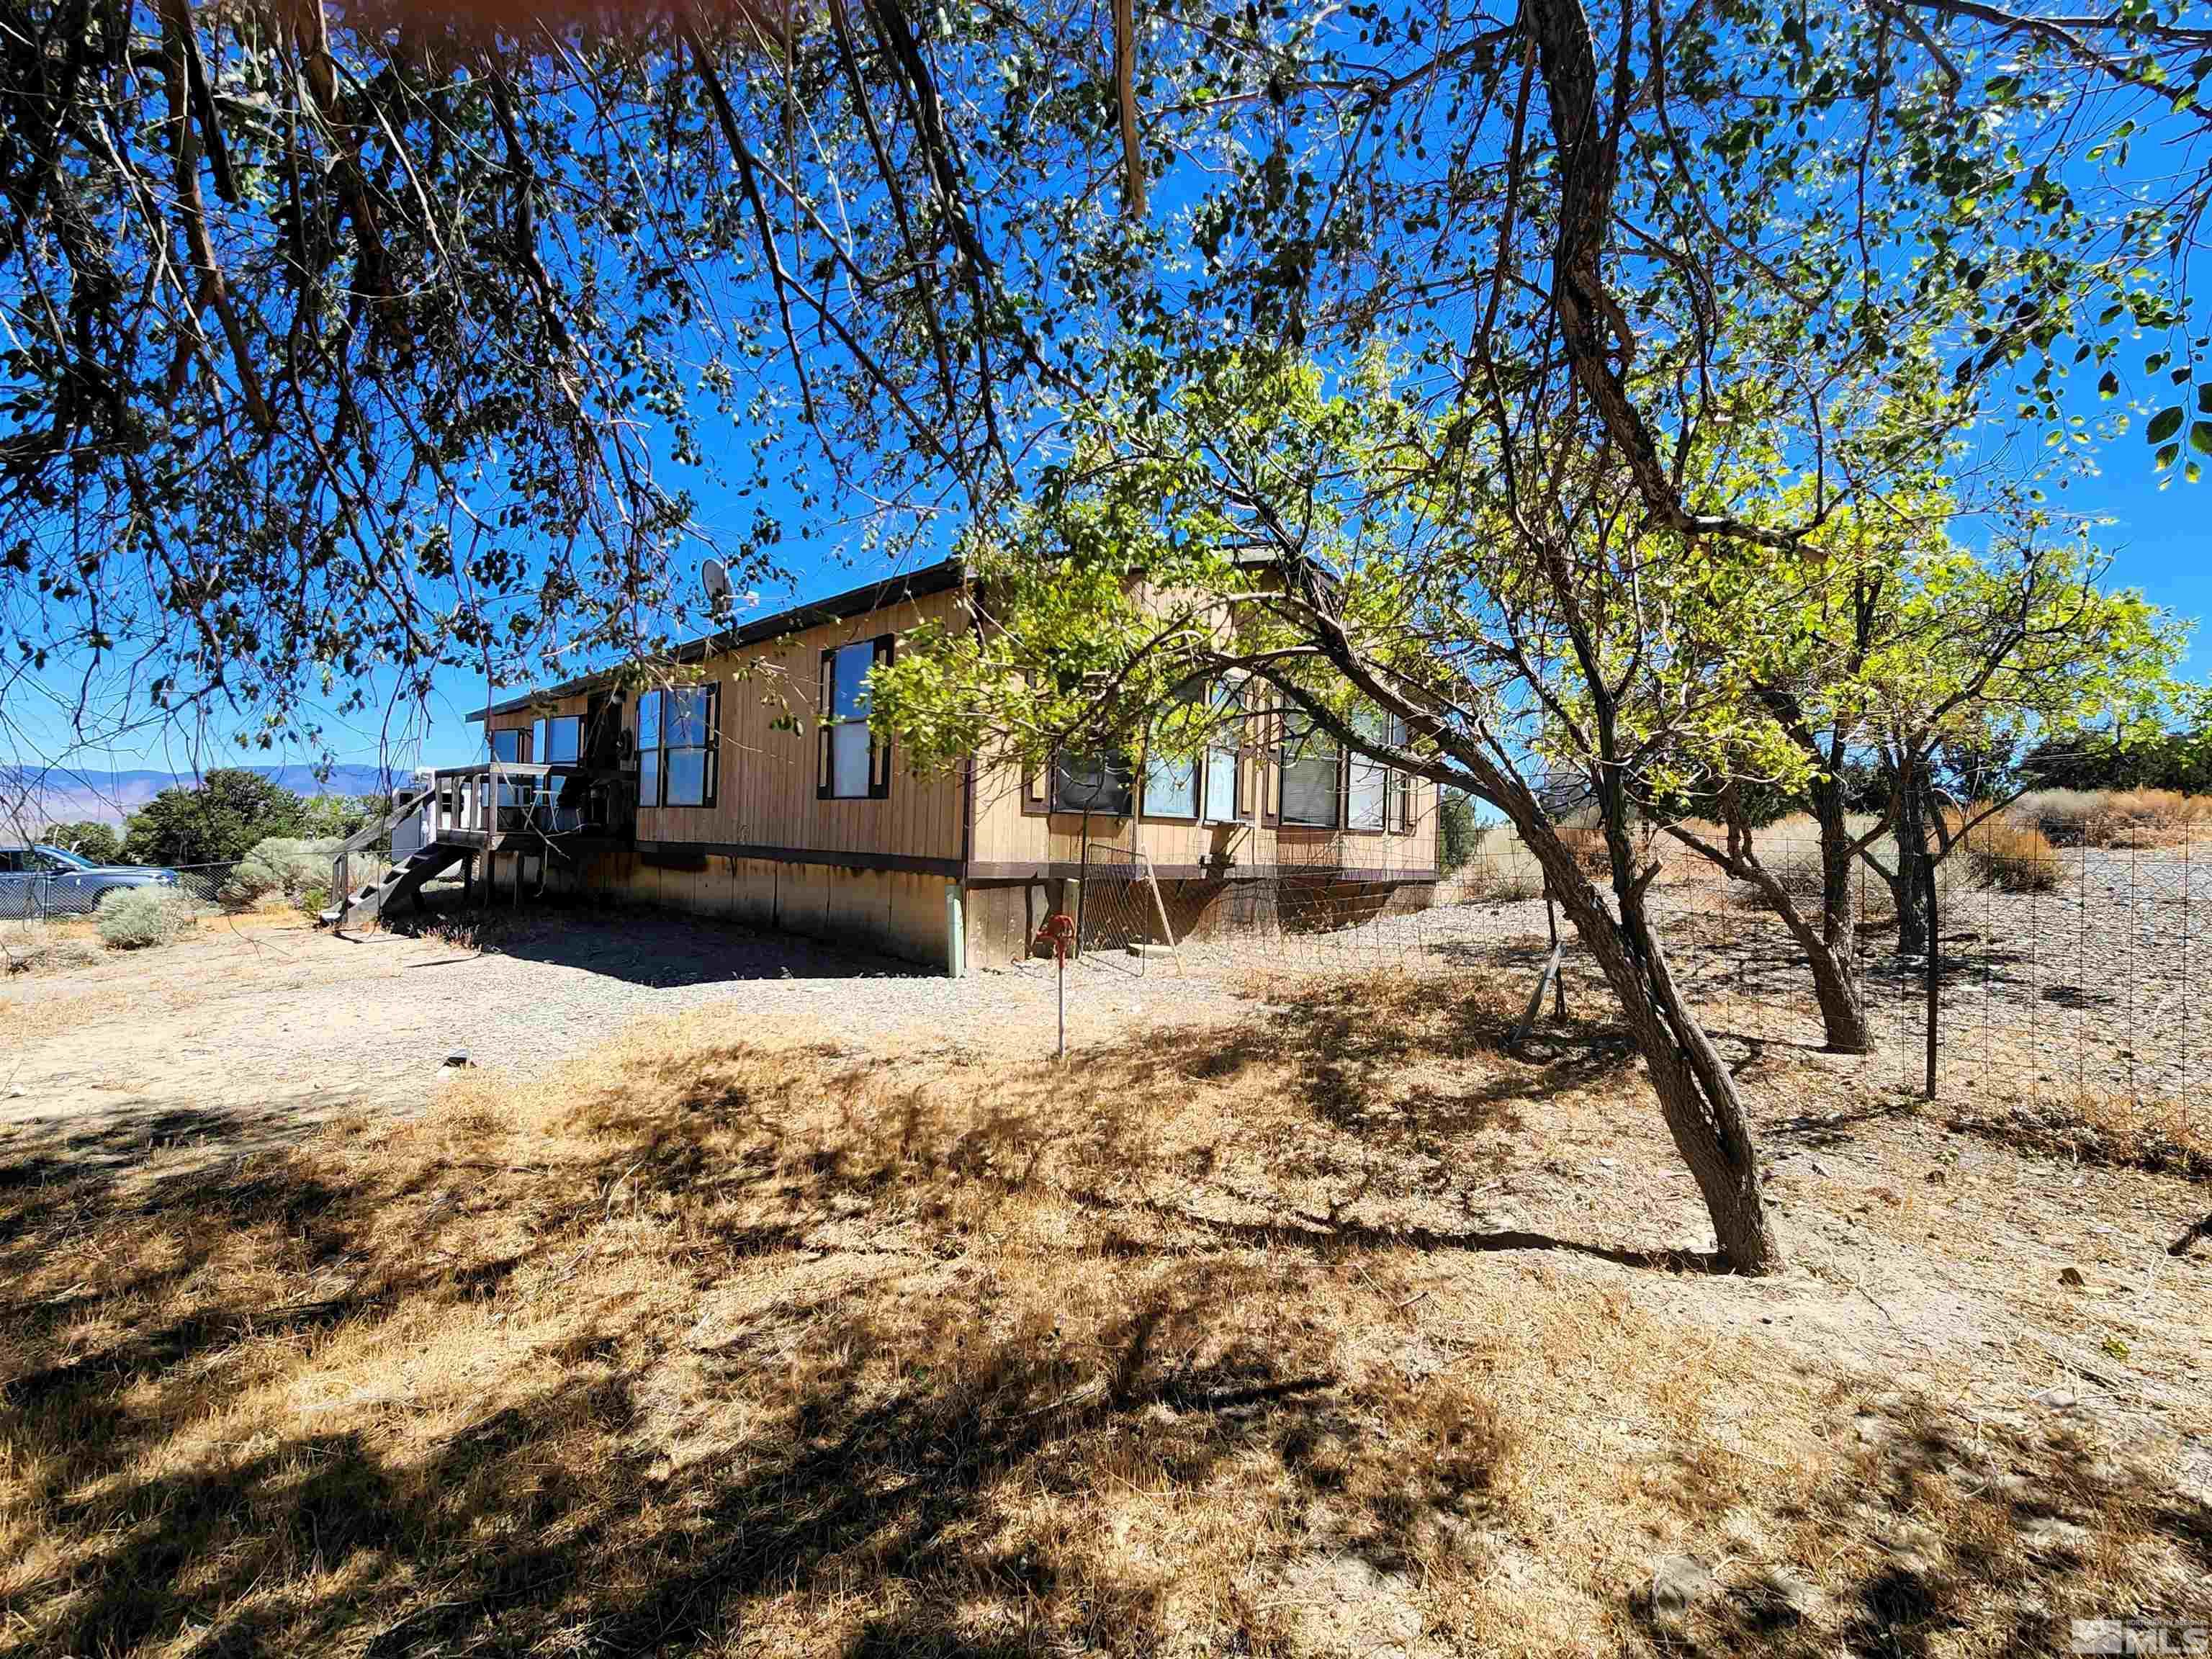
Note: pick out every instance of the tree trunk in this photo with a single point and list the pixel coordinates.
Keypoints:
(1835, 962)
(1906, 887)
(1697, 1097)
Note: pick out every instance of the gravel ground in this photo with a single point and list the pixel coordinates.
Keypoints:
(2102, 985)
(263, 1029)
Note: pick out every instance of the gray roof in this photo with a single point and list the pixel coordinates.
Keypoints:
(937, 578)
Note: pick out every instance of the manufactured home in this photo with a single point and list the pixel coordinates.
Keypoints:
(749, 786)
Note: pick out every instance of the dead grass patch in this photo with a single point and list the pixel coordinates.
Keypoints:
(1202, 1343)
(2163, 1136)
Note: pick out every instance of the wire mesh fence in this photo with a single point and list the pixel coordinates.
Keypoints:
(2072, 972)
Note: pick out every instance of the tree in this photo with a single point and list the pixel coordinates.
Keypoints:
(335, 817)
(1927, 661)
(216, 821)
(2179, 761)
(1457, 830)
(96, 841)
(1458, 627)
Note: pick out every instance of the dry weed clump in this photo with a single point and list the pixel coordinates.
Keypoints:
(2096, 1128)
(2006, 853)
(47, 947)
(1198, 1343)
(2113, 818)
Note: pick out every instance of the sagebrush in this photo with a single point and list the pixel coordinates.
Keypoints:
(137, 917)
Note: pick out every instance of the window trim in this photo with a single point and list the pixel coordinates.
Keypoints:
(826, 721)
(1393, 733)
(548, 722)
(1229, 690)
(710, 783)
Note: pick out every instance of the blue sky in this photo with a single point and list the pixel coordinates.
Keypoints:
(2157, 541)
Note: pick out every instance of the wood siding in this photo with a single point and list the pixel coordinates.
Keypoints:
(1008, 836)
(766, 796)
(770, 754)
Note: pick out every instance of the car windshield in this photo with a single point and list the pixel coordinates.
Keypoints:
(67, 860)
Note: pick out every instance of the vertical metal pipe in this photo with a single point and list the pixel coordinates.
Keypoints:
(1935, 967)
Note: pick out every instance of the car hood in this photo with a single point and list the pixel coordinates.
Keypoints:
(142, 872)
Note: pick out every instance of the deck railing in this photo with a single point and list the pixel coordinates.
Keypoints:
(493, 799)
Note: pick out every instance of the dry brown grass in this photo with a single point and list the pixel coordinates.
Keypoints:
(1211, 1342)
(2115, 818)
(2003, 852)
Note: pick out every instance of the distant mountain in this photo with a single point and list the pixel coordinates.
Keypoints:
(68, 794)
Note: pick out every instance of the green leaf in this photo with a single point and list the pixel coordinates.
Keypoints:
(2164, 425)
(2200, 437)
(2108, 385)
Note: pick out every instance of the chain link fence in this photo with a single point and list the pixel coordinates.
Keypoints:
(34, 897)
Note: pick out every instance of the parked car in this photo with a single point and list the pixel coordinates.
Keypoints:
(38, 880)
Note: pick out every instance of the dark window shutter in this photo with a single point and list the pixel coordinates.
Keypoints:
(1037, 785)
(713, 758)
(1271, 771)
(825, 709)
(879, 748)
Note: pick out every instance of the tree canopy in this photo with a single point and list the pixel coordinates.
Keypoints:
(215, 823)
(346, 342)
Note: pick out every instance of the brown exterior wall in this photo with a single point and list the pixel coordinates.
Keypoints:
(767, 851)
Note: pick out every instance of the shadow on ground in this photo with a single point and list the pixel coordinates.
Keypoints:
(648, 947)
(801, 1375)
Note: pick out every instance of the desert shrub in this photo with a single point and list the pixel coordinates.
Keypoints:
(2011, 855)
(284, 869)
(1587, 843)
(1790, 849)
(136, 917)
(2064, 817)
(314, 899)
(1506, 871)
(2110, 817)
(2156, 809)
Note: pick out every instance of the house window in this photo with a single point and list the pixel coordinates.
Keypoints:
(1401, 803)
(1369, 784)
(676, 746)
(1311, 765)
(1171, 787)
(854, 765)
(1097, 781)
(555, 742)
(1171, 780)
(1224, 756)
(506, 745)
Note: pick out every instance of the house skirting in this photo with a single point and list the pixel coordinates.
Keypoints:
(897, 905)
(1004, 914)
(900, 913)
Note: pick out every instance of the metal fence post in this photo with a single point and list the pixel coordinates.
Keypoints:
(1935, 967)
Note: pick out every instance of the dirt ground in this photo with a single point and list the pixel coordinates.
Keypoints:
(748, 1298)
(256, 1028)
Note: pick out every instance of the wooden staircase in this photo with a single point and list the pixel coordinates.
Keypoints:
(402, 881)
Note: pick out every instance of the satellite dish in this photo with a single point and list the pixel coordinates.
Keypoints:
(714, 577)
